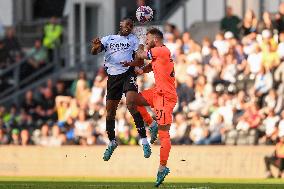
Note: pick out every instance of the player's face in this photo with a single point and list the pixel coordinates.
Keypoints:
(126, 27)
(150, 41)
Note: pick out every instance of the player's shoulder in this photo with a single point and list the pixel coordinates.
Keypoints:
(109, 37)
(161, 50)
(133, 37)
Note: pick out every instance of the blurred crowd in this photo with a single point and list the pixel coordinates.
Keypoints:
(34, 58)
(230, 89)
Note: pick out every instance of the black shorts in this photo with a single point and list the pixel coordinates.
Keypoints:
(122, 83)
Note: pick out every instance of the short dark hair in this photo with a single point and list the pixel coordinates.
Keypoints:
(128, 19)
(156, 32)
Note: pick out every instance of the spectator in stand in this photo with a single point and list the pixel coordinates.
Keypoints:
(83, 130)
(98, 90)
(181, 68)
(98, 94)
(186, 38)
(5, 58)
(185, 92)
(249, 42)
(12, 43)
(45, 108)
(230, 22)
(59, 89)
(215, 132)
(62, 104)
(56, 138)
(3, 137)
(198, 131)
(15, 137)
(270, 57)
(81, 76)
(266, 23)
(249, 24)
(255, 60)
(29, 104)
(25, 138)
(179, 130)
(228, 74)
(194, 53)
(239, 54)
(270, 126)
(263, 83)
(52, 36)
(220, 44)
(25, 122)
(249, 123)
(48, 85)
(202, 90)
(206, 50)
(82, 93)
(37, 56)
(279, 18)
(171, 44)
(253, 116)
(270, 100)
(11, 118)
(125, 127)
(43, 138)
(216, 60)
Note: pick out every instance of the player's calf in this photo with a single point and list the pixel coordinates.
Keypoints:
(142, 133)
(110, 129)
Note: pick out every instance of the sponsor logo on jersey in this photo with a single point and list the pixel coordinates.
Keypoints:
(116, 46)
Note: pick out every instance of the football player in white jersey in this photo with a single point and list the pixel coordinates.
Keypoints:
(120, 48)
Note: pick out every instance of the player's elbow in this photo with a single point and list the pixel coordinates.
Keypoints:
(95, 51)
(140, 62)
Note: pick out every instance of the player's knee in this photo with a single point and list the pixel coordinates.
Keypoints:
(131, 106)
(164, 135)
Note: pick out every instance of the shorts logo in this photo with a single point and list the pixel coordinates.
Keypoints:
(133, 81)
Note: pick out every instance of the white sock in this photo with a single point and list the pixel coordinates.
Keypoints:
(144, 140)
(152, 124)
(161, 168)
(113, 142)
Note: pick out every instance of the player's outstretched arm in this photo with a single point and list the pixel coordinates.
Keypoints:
(96, 46)
(135, 62)
(145, 69)
(141, 54)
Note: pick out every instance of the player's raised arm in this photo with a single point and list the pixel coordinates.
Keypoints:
(97, 46)
(141, 54)
(145, 69)
(137, 60)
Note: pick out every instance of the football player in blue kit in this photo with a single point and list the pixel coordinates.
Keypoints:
(121, 48)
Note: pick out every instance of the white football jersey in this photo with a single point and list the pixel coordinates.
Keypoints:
(118, 49)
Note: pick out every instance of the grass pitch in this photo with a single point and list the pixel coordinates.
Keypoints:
(109, 183)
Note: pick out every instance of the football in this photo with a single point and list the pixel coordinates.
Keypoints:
(144, 14)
